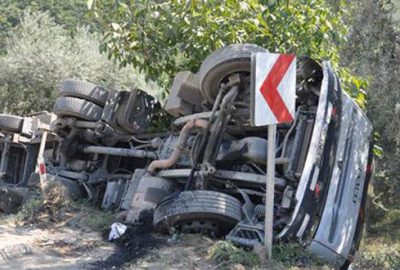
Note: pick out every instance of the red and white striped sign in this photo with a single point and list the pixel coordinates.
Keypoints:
(274, 88)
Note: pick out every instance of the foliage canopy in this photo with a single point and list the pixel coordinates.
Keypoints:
(68, 14)
(373, 50)
(41, 54)
(164, 37)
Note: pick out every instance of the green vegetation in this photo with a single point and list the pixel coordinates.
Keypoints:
(40, 211)
(69, 14)
(91, 217)
(373, 52)
(378, 254)
(285, 256)
(225, 254)
(27, 211)
(41, 54)
(293, 254)
(164, 37)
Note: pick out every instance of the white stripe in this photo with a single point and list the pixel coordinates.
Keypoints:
(287, 88)
(315, 178)
(263, 114)
(303, 225)
(329, 113)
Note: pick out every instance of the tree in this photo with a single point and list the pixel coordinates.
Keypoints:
(164, 37)
(41, 54)
(69, 14)
(373, 51)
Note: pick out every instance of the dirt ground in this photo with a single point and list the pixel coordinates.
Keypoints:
(61, 236)
(70, 248)
(53, 232)
(64, 246)
(61, 248)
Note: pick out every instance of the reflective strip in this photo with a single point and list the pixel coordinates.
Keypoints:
(42, 168)
(314, 178)
(329, 113)
(303, 225)
(336, 84)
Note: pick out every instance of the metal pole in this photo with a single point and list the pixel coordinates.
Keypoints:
(269, 193)
(42, 147)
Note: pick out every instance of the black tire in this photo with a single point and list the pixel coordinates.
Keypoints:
(79, 108)
(222, 63)
(76, 191)
(199, 205)
(11, 123)
(84, 90)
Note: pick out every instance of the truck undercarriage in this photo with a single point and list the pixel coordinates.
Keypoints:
(198, 166)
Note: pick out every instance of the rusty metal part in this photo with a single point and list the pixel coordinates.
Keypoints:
(183, 137)
(184, 119)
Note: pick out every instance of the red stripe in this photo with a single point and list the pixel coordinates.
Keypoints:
(369, 168)
(269, 88)
(42, 169)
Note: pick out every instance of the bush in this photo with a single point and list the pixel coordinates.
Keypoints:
(226, 254)
(373, 51)
(386, 257)
(41, 54)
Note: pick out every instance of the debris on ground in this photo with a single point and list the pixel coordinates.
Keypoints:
(116, 231)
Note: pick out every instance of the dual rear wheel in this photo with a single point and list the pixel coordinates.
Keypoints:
(80, 99)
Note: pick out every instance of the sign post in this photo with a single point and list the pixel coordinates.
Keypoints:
(270, 188)
(273, 95)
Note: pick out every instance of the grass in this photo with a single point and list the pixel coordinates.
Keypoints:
(93, 218)
(39, 211)
(226, 255)
(380, 248)
(289, 255)
(285, 256)
(27, 211)
(377, 255)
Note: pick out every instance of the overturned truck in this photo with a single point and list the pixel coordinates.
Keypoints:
(203, 170)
